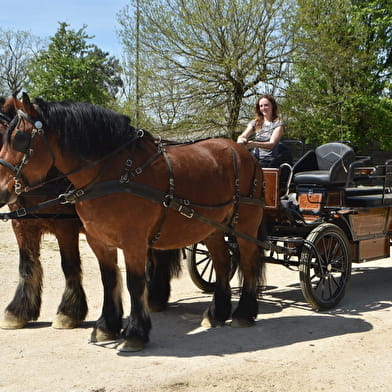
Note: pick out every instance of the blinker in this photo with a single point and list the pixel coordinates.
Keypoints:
(21, 141)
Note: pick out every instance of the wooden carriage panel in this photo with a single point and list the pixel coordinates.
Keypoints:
(334, 199)
(374, 248)
(369, 222)
(310, 202)
(271, 187)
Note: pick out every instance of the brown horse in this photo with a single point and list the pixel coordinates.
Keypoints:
(65, 225)
(132, 193)
(63, 222)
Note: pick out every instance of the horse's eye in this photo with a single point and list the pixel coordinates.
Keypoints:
(21, 141)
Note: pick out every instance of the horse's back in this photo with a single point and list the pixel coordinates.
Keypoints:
(213, 167)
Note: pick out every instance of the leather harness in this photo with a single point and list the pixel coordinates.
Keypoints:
(167, 199)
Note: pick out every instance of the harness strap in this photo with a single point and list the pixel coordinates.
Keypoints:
(155, 195)
(138, 189)
(237, 189)
(5, 118)
(169, 196)
(9, 166)
(183, 206)
(26, 214)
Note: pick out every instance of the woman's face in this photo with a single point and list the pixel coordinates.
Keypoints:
(265, 107)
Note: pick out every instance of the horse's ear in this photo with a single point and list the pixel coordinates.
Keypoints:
(28, 107)
(16, 102)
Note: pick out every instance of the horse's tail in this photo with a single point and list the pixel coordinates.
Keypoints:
(162, 266)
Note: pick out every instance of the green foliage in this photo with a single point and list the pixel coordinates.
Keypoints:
(202, 60)
(342, 73)
(71, 68)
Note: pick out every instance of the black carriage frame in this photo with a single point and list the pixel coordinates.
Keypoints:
(318, 221)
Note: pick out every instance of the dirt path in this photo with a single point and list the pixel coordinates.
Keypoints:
(291, 348)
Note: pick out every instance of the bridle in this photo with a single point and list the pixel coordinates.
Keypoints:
(22, 142)
(5, 118)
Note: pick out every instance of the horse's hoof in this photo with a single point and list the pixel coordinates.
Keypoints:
(131, 345)
(62, 321)
(98, 336)
(209, 322)
(241, 323)
(10, 321)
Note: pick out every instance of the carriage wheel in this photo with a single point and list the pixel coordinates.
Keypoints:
(325, 269)
(201, 269)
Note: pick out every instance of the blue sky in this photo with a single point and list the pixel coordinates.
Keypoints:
(41, 17)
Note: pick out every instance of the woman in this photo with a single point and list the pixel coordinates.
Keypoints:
(268, 130)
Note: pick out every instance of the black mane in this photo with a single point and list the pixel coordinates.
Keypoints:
(85, 130)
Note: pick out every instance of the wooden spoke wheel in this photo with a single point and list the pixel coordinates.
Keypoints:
(201, 269)
(325, 267)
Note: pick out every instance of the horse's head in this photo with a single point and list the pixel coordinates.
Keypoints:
(25, 156)
(8, 108)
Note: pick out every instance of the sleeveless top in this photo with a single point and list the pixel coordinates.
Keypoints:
(264, 135)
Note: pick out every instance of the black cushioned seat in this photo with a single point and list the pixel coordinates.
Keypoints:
(327, 165)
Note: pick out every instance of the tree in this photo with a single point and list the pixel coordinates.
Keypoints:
(73, 69)
(342, 69)
(203, 58)
(17, 49)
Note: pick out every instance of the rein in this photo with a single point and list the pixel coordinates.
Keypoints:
(5, 118)
(98, 189)
(183, 206)
(23, 213)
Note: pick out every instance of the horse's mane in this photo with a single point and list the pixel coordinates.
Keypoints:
(83, 129)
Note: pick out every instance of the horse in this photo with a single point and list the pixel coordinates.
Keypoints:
(134, 193)
(63, 222)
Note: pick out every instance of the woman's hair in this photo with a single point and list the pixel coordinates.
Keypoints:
(259, 116)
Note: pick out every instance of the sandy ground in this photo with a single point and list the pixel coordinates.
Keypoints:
(291, 347)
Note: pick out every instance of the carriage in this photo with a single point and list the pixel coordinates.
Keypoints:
(136, 193)
(327, 211)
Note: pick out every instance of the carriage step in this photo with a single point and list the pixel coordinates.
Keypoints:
(295, 240)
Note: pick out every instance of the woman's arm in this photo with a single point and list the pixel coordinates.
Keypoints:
(269, 145)
(243, 138)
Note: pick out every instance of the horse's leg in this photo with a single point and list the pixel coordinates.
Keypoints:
(136, 333)
(251, 268)
(26, 304)
(73, 306)
(162, 266)
(109, 324)
(220, 308)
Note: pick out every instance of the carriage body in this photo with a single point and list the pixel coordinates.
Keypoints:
(364, 213)
(321, 227)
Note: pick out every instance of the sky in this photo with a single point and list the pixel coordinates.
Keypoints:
(41, 18)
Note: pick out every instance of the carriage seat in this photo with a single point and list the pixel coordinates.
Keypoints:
(369, 200)
(327, 165)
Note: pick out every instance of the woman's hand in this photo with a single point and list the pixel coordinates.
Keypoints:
(242, 139)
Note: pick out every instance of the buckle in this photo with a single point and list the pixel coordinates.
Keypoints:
(186, 211)
(21, 212)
